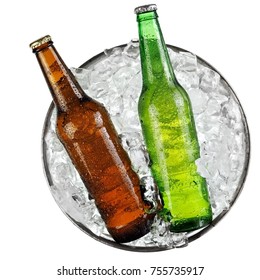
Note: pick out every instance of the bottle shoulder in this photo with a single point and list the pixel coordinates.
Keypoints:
(80, 106)
(163, 92)
(85, 117)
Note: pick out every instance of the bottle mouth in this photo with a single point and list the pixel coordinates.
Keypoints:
(145, 9)
(37, 43)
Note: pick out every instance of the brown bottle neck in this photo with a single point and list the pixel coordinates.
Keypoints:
(64, 88)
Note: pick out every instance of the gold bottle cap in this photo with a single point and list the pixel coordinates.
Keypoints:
(145, 8)
(35, 44)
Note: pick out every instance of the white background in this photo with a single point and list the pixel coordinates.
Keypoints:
(36, 238)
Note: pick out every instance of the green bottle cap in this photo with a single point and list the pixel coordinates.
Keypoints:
(145, 9)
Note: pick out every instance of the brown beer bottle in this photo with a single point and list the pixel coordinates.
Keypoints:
(89, 137)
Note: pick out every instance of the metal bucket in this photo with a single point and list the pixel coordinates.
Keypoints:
(105, 238)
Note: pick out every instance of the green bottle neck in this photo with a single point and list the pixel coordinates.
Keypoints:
(155, 61)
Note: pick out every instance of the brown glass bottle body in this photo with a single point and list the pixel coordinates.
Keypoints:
(88, 135)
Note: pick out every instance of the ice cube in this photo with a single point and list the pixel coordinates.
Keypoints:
(139, 160)
(122, 78)
(187, 62)
(209, 79)
(199, 100)
(132, 49)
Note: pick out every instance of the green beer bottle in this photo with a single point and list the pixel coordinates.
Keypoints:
(169, 131)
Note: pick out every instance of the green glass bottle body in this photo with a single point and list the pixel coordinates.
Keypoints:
(169, 131)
